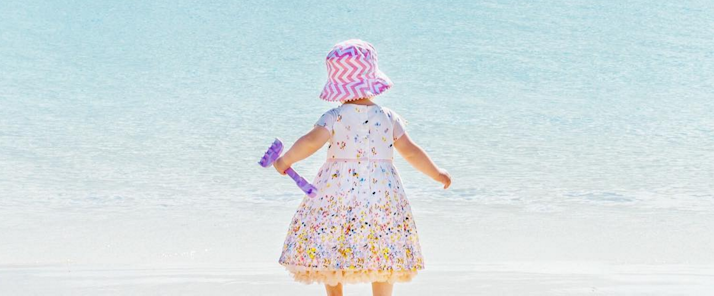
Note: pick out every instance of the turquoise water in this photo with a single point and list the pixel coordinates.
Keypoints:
(544, 103)
(579, 134)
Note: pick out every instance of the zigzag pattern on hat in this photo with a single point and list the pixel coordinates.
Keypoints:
(353, 72)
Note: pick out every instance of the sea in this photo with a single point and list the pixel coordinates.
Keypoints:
(574, 131)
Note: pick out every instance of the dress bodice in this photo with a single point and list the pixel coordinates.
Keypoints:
(361, 132)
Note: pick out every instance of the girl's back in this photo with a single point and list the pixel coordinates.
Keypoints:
(361, 132)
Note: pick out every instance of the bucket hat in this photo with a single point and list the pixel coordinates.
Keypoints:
(352, 72)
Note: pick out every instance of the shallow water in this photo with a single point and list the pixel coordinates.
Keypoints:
(138, 125)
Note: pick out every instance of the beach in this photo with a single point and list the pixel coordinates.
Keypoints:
(159, 251)
(578, 135)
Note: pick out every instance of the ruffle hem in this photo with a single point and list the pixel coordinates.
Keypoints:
(333, 277)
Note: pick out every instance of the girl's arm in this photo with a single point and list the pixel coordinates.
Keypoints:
(304, 147)
(418, 158)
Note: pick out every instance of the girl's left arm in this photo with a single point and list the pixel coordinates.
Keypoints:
(303, 148)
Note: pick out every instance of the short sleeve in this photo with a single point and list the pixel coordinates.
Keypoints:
(399, 126)
(327, 120)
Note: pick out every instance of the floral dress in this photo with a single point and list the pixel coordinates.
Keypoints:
(359, 227)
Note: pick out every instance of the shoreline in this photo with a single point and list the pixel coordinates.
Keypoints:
(512, 278)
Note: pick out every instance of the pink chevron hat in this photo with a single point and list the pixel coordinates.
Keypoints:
(352, 72)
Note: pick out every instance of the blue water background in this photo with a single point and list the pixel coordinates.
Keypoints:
(540, 104)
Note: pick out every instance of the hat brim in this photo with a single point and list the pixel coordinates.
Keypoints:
(364, 88)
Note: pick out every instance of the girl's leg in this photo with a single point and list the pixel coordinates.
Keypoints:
(334, 290)
(382, 289)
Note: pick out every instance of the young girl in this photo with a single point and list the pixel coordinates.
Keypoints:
(359, 227)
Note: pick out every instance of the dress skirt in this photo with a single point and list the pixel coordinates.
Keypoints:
(358, 229)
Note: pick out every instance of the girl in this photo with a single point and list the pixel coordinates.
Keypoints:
(359, 227)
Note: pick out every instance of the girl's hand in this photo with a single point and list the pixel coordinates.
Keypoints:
(280, 165)
(444, 178)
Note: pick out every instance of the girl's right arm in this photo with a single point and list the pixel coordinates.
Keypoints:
(417, 157)
(303, 147)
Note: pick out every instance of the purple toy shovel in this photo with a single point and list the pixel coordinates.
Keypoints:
(272, 155)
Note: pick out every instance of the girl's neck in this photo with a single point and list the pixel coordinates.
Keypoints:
(363, 101)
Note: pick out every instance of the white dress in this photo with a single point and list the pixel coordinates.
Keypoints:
(359, 227)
